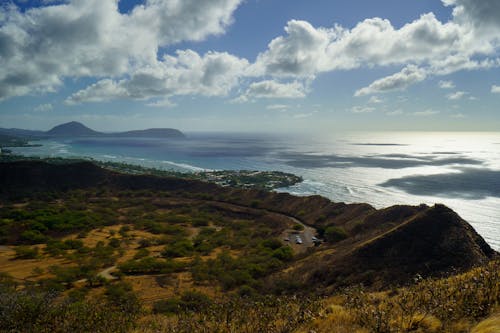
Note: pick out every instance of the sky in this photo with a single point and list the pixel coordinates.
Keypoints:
(310, 66)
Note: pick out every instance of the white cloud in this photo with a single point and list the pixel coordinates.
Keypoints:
(279, 107)
(456, 95)
(375, 100)
(162, 103)
(437, 48)
(43, 107)
(446, 84)
(362, 109)
(399, 81)
(303, 115)
(91, 38)
(425, 113)
(213, 74)
(495, 89)
(482, 14)
(274, 89)
(458, 115)
(43, 46)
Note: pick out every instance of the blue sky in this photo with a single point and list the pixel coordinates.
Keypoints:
(257, 65)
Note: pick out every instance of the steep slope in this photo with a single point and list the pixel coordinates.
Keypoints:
(400, 243)
(72, 129)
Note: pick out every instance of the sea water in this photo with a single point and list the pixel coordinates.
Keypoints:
(460, 170)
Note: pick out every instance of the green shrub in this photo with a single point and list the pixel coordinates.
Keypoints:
(194, 301)
(33, 237)
(141, 253)
(114, 242)
(26, 252)
(199, 222)
(272, 243)
(335, 234)
(284, 253)
(167, 306)
(181, 248)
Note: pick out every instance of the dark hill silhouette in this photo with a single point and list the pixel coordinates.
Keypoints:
(384, 247)
(72, 128)
(76, 129)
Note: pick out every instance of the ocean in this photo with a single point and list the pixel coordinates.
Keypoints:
(460, 170)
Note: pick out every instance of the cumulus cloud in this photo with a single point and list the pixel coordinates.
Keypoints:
(362, 109)
(456, 95)
(280, 107)
(43, 46)
(446, 84)
(399, 81)
(495, 89)
(188, 73)
(273, 89)
(91, 38)
(300, 53)
(437, 48)
(482, 14)
(375, 100)
(43, 107)
(425, 113)
(302, 115)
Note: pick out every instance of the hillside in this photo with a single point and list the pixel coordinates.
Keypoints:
(151, 133)
(76, 129)
(113, 252)
(377, 248)
(72, 129)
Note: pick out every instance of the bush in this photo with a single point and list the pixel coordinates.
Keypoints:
(26, 252)
(114, 242)
(167, 306)
(33, 237)
(190, 301)
(181, 248)
(335, 234)
(272, 244)
(122, 296)
(141, 253)
(199, 222)
(284, 253)
(195, 301)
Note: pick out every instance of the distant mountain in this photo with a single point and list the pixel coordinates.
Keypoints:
(17, 132)
(76, 129)
(72, 128)
(151, 133)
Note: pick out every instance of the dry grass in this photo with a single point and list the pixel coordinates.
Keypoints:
(26, 269)
(489, 325)
(450, 305)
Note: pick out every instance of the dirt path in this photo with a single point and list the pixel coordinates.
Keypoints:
(107, 273)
